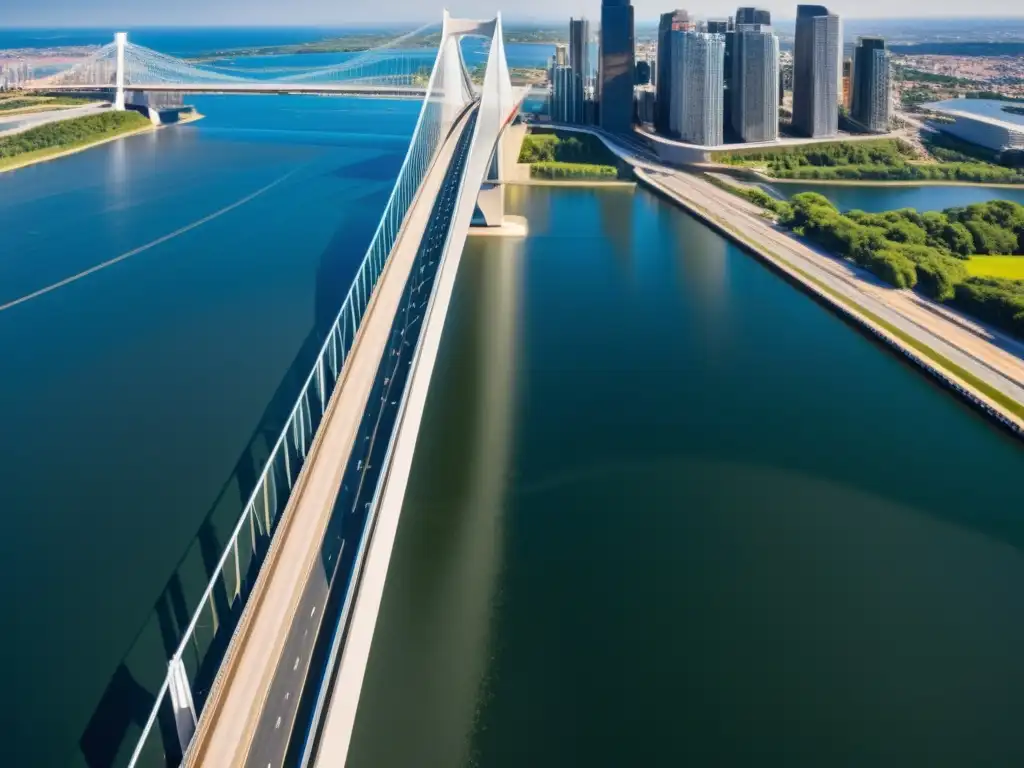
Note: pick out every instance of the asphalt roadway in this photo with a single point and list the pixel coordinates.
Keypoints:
(12, 124)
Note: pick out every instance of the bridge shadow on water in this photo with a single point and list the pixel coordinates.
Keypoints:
(121, 713)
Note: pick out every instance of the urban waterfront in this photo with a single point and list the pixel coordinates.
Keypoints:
(667, 509)
(133, 397)
(874, 198)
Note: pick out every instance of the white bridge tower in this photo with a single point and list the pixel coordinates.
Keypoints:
(120, 38)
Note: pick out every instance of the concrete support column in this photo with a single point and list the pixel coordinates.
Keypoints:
(491, 199)
(120, 38)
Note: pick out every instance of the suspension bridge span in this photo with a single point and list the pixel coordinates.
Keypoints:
(399, 68)
(269, 665)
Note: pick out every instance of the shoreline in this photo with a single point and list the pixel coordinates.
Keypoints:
(876, 183)
(947, 373)
(28, 162)
(569, 183)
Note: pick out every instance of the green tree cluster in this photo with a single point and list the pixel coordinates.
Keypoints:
(70, 133)
(908, 249)
(878, 160)
(574, 148)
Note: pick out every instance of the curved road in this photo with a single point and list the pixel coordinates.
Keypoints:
(12, 124)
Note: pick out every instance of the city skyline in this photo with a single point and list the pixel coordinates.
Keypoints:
(68, 13)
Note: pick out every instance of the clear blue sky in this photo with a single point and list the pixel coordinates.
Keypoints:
(102, 13)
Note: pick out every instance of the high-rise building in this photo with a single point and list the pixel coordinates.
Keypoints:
(561, 55)
(579, 48)
(871, 99)
(754, 88)
(847, 91)
(616, 60)
(816, 71)
(645, 105)
(717, 26)
(678, 21)
(698, 60)
(753, 16)
(565, 104)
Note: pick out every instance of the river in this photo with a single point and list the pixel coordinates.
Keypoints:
(132, 397)
(667, 510)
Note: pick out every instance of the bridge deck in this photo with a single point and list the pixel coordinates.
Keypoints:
(239, 704)
(268, 87)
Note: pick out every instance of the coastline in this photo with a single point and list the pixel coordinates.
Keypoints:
(55, 153)
(1003, 410)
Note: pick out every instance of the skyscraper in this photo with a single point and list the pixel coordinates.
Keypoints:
(870, 102)
(816, 71)
(698, 60)
(617, 64)
(579, 63)
(753, 16)
(565, 105)
(755, 85)
(561, 55)
(579, 47)
(680, 21)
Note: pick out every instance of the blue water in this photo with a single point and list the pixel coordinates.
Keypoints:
(131, 397)
(986, 107)
(874, 198)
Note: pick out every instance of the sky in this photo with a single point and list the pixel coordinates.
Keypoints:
(101, 13)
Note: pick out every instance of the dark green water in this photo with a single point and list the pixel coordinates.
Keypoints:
(888, 197)
(665, 510)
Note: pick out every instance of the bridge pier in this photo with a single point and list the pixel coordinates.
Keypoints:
(120, 38)
(491, 200)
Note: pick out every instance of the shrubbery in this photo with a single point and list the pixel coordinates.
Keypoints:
(877, 160)
(546, 170)
(927, 250)
(70, 133)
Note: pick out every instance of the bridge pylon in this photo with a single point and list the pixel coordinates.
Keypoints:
(120, 38)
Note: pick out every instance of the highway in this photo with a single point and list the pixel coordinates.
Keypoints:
(265, 87)
(250, 713)
(990, 355)
(12, 124)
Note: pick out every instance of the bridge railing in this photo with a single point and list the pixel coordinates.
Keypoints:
(198, 662)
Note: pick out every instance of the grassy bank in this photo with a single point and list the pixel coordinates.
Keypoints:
(66, 136)
(572, 156)
(879, 161)
(1009, 267)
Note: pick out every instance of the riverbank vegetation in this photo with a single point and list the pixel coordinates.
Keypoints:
(25, 102)
(928, 251)
(552, 155)
(872, 160)
(54, 138)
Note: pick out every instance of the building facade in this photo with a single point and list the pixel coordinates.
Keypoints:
(988, 132)
(698, 62)
(617, 64)
(754, 88)
(579, 48)
(816, 71)
(870, 105)
(675, 21)
(565, 104)
(753, 16)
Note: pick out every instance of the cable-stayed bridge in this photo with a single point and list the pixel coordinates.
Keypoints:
(263, 664)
